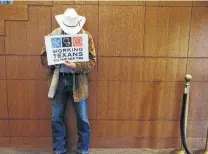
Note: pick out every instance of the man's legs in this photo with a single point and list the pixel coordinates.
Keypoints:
(58, 126)
(83, 126)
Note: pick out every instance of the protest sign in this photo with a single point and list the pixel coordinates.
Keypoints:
(61, 48)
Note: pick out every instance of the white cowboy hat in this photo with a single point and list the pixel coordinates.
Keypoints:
(70, 22)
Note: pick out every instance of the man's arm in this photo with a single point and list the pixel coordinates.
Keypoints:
(43, 54)
(85, 67)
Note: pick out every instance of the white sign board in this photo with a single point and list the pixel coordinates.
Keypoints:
(61, 48)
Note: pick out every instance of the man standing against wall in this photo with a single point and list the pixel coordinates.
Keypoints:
(70, 81)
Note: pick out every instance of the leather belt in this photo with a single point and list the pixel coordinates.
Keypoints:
(65, 74)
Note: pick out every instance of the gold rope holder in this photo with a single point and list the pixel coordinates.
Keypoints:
(205, 151)
(186, 91)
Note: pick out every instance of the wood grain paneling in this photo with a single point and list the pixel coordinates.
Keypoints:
(141, 69)
(139, 100)
(19, 128)
(35, 69)
(34, 3)
(198, 101)
(17, 67)
(121, 30)
(39, 105)
(163, 3)
(200, 3)
(18, 99)
(13, 12)
(4, 141)
(2, 49)
(197, 129)
(31, 142)
(39, 17)
(166, 31)
(152, 129)
(84, 2)
(198, 38)
(15, 36)
(89, 11)
(167, 100)
(40, 128)
(3, 99)
(2, 68)
(4, 128)
(135, 142)
(92, 101)
(1, 27)
(25, 67)
(198, 68)
(116, 2)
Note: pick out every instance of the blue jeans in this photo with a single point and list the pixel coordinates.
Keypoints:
(64, 92)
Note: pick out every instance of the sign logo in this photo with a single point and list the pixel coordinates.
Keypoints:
(66, 42)
(77, 41)
(56, 42)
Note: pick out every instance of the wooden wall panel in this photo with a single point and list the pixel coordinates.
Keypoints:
(198, 69)
(39, 105)
(4, 128)
(163, 3)
(197, 129)
(19, 128)
(200, 3)
(25, 67)
(152, 129)
(34, 3)
(119, 33)
(122, 2)
(198, 38)
(17, 67)
(31, 142)
(40, 128)
(89, 11)
(2, 46)
(4, 141)
(2, 68)
(15, 36)
(30, 128)
(167, 100)
(85, 2)
(13, 12)
(163, 35)
(28, 99)
(35, 69)
(141, 69)
(139, 100)
(39, 26)
(1, 27)
(18, 99)
(3, 99)
(136, 142)
(92, 101)
(198, 101)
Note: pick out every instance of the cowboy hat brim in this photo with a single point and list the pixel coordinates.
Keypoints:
(68, 29)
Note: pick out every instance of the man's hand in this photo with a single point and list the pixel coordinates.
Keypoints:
(70, 64)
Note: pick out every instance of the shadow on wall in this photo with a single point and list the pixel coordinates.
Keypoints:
(6, 2)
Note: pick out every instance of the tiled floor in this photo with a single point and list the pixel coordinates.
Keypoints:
(92, 151)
